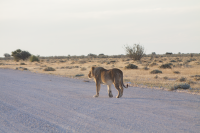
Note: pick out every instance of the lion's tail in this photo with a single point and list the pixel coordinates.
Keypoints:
(125, 86)
(123, 83)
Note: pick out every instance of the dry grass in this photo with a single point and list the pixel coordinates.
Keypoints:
(186, 67)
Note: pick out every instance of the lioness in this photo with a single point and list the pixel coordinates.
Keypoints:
(108, 77)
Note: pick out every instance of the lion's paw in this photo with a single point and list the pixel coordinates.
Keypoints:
(95, 95)
(110, 95)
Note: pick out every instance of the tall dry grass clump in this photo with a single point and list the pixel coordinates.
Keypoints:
(135, 52)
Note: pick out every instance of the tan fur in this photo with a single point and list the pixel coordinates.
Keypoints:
(108, 77)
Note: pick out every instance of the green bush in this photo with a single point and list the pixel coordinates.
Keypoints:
(34, 58)
(20, 55)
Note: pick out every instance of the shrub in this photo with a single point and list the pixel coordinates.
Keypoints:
(21, 68)
(82, 62)
(49, 69)
(197, 78)
(83, 69)
(168, 65)
(155, 71)
(145, 68)
(172, 61)
(165, 77)
(153, 64)
(176, 72)
(112, 61)
(92, 55)
(22, 63)
(131, 66)
(18, 55)
(79, 75)
(181, 86)
(156, 77)
(136, 52)
(182, 79)
(34, 58)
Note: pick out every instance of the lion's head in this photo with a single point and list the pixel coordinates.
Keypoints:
(91, 73)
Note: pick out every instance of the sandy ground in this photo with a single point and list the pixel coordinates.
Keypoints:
(31, 102)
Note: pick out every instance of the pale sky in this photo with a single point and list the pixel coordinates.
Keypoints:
(80, 27)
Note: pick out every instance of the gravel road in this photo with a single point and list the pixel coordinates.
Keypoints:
(31, 102)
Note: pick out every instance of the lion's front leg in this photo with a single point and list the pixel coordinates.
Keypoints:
(109, 91)
(98, 85)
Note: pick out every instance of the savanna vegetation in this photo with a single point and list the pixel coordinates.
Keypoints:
(173, 72)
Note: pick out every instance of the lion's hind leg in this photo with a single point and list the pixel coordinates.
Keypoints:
(122, 90)
(118, 89)
(109, 91)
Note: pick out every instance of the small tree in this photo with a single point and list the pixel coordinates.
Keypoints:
(135, 52)
(91, 55)
(7, 55)
(19, 54)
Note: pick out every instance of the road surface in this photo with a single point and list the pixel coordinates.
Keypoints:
(31, 102)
